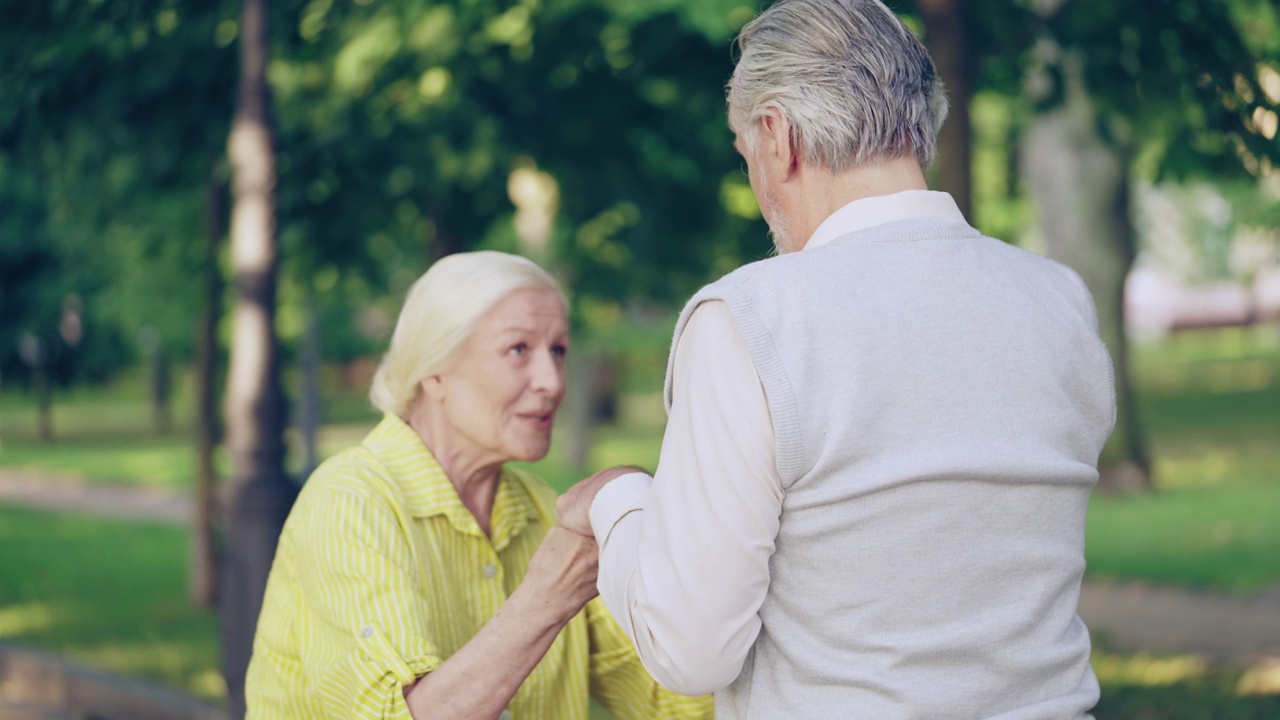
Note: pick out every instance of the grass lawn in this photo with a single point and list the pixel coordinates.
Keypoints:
(108, 592)
(1211, 403)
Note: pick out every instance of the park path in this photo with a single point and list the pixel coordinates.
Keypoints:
(26, 489)
(1127, 617)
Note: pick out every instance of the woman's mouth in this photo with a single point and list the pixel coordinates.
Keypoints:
(538, 420)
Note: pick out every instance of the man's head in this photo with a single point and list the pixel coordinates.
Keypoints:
(845, 82)
(855, 84)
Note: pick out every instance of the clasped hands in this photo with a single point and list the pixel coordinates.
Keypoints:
(574, 506)
(564, 568)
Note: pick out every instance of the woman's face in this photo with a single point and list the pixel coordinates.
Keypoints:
(501, 392)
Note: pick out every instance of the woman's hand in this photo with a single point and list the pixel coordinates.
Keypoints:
(480, 679)
(574, 506)
(562, 573)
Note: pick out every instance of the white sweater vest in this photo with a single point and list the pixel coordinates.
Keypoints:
(939, 400)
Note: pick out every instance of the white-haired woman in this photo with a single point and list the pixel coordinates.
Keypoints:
(417, 575)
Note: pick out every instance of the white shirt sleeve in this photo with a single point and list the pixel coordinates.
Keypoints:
(684, 561)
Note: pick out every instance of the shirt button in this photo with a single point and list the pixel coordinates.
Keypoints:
(489, 570)
(366, 631)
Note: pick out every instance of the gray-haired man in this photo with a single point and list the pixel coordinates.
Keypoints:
(871, 495)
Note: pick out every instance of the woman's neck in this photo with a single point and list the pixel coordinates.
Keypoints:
(474, 478)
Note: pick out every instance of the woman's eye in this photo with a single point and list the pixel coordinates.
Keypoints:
(559, 350)
(518, 349)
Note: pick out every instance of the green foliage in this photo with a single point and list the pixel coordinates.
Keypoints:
(401, 123)
(117, 114)
(1184, 79)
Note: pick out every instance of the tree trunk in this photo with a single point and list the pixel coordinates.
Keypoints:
(576, 416)
(204, 557)
(1080, 185)
(260, 495)
(309, 407)
(947, 39)
(161, 416)
(44, 404)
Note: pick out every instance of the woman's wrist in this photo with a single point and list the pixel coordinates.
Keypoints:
(542, 606)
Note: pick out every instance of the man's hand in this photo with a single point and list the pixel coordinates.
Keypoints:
(574, 506)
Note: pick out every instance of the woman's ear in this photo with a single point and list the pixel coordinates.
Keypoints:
(431, 387)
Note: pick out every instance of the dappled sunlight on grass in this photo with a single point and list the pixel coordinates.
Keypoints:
(180, 665)
(1217, 377)
(208, 684)
(1251, 457)
(1184, 687)
(1261, 679)
(19, 620)
(1211, 468)
(1146, 670)
(156, 463)
(1223, 360)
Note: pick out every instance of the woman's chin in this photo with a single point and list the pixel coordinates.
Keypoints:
(531, 451)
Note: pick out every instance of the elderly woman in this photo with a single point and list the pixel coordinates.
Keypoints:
(417, 576)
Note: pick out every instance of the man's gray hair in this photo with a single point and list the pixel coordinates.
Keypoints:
(856, 85)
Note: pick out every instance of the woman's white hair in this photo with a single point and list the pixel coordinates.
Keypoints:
(856, 85)
(440, 312)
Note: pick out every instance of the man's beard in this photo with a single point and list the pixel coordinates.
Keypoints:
(779, 231)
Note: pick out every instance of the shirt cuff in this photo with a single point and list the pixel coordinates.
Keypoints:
(624, 494)
(370, 681)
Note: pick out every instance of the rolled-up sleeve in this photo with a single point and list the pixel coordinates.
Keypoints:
(357, 574)
(620, 682)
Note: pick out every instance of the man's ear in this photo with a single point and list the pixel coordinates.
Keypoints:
(776, 144)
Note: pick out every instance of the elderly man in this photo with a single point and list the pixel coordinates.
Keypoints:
(871, 495)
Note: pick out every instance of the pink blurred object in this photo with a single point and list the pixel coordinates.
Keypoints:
(1156, 304)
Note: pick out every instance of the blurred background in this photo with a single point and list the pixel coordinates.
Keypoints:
(210, 212)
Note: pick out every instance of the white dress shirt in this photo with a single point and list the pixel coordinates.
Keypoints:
(684, 556)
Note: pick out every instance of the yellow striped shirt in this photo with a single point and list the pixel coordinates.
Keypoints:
(382, 573)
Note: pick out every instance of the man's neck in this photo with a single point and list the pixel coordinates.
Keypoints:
(822, 192)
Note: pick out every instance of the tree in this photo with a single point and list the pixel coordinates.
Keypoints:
(260, 495)
(1090, 87)
(404, 126)
(1106, 80)
(947, 37)
(203, 576)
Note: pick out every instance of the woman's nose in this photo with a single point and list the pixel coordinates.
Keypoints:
(548, 374)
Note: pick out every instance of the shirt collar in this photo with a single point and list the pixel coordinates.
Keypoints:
(880, 209)
(428, 492)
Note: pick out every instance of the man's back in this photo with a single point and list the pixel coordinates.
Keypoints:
(939, 401)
